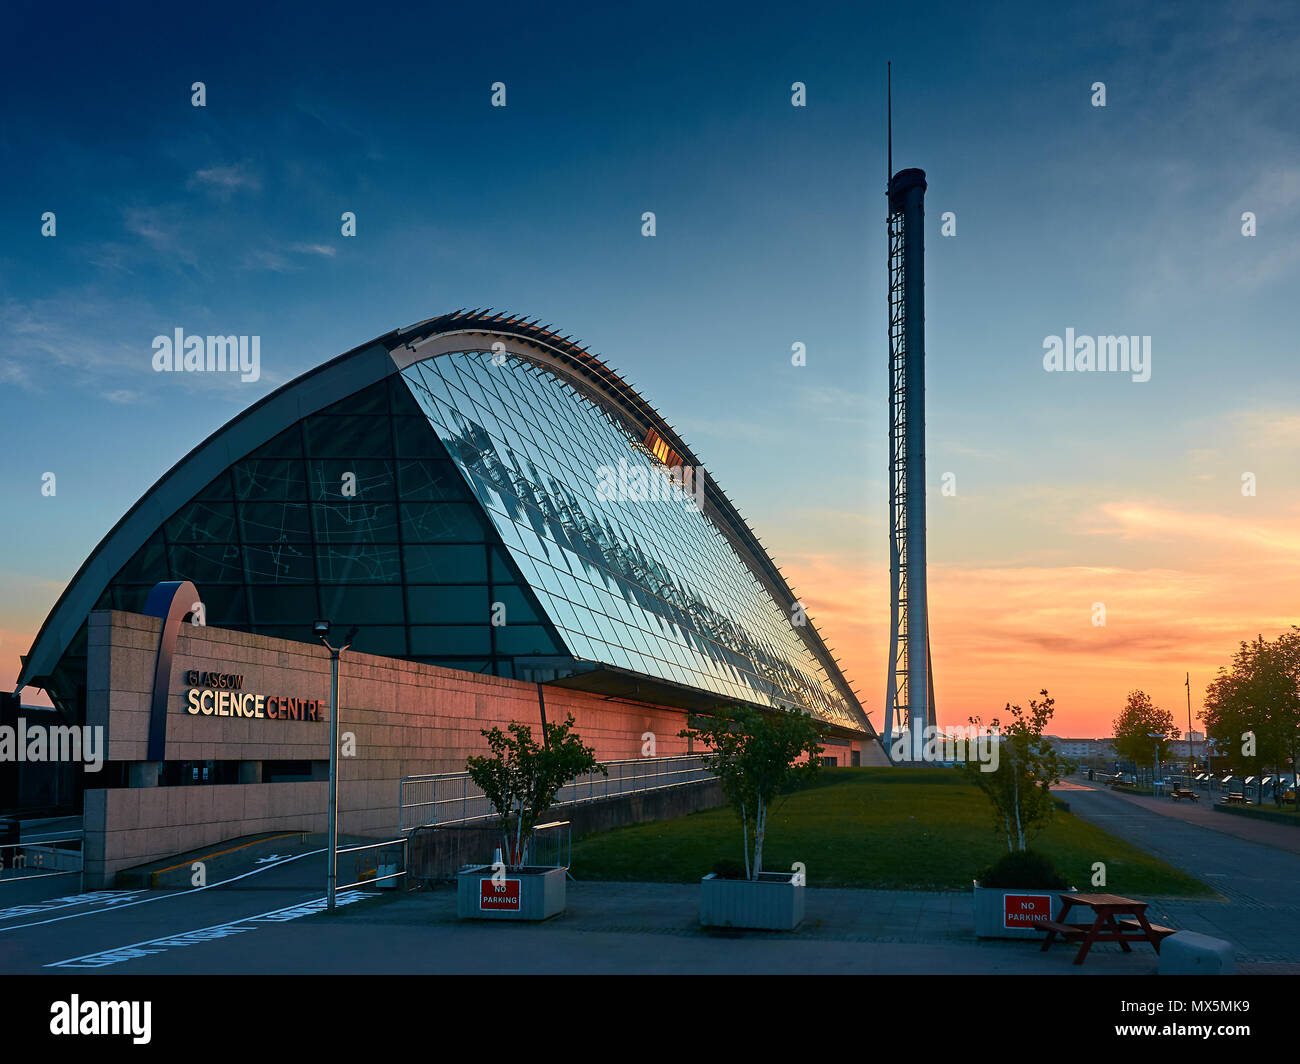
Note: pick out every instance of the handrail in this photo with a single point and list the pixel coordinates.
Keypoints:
(429, 799)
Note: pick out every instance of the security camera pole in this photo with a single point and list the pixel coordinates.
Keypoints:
(322, 628)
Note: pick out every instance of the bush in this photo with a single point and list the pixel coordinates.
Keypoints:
(1023, 868)
(729, 869)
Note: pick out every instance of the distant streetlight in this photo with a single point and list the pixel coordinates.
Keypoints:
(322, 629)
(1157, 736)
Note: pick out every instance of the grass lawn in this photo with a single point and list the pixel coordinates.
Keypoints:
(886, 828)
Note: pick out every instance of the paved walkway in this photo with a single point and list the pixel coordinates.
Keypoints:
(1259, 880)
(1202, 813)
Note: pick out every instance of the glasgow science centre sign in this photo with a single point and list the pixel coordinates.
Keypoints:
(221, 694)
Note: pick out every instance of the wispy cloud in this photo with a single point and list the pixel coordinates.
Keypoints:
(122, 395)
(224, 181)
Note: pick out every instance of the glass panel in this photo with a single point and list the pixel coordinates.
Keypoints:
(441, 522)
(286, 563)
(415, 440)
(348, 437)
(524, 639)
(202, 522)
(372, 399)
(274, 522)
(206, 563)
(518, 610)
(358, 564)
(385, 640)
(355, 522)
(286, 445)
(360, 604)
(218, 489)
(448, 605)
(430, 479)
(149, 564)
(283, 605)
(269, 478)
(573, 493)
(350, 480)
(445, 564)
(450, 640)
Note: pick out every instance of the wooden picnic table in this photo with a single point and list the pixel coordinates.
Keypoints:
(1104, 927)
(1181, 793)
(1236, 799)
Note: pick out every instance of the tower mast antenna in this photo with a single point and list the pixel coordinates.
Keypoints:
(889, 119)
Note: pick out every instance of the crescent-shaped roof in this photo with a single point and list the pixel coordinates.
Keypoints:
(393, 353)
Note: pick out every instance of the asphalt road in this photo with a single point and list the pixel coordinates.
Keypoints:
(1258, 880)
(43, 923)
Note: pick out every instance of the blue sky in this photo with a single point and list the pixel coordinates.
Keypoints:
(770, 230)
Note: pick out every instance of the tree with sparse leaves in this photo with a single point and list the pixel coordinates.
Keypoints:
(1019, 789)
(758, 756)
(521, 778)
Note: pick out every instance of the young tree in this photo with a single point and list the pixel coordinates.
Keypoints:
(521, 779)
(1137, 722)
(758, 756)
(1019, 790)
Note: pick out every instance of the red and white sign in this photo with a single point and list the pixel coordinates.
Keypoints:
(1025, 910)
(500, 897)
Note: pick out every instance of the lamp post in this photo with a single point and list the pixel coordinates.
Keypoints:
(1155, 761)
(322, 628)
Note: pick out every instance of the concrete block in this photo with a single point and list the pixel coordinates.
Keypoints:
(1191, 953)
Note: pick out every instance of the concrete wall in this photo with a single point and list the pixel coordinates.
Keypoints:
(439, 852)
(405, 718)
(128, 826)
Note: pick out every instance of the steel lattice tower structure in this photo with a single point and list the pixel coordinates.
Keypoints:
(909, 697)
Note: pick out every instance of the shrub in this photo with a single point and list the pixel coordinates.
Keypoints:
(1023, 868)
(729, 869)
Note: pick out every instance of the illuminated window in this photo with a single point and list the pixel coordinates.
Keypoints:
(658, 446)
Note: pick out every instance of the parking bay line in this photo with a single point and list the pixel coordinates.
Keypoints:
(161, 897)
(121, 954)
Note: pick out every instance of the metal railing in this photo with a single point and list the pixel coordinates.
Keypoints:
(369, 870)
(55, 856)
(551, 846)
(453, 798)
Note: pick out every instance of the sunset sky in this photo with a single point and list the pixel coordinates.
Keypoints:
(1071, 489)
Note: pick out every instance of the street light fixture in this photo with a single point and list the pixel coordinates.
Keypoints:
(322, 628)
(1157, 736)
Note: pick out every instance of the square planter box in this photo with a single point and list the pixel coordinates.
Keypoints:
(1013, 912)
(771, 903)
(529, 893)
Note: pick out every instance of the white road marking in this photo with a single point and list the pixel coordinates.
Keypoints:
(161, 897)
(109, 897)
(107, 957)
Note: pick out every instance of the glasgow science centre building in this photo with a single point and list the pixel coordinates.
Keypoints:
(515, 533)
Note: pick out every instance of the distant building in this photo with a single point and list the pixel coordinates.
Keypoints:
(1083, 750)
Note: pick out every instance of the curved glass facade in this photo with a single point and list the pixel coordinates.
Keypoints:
(510, 514)
(358, 515)
(642, 581)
